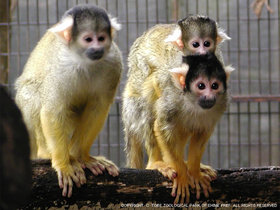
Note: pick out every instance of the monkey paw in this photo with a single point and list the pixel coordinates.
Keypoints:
(180, 189)
(209, 171)
(98, 164)
(67, 175)
(201, 182)
(164, 168)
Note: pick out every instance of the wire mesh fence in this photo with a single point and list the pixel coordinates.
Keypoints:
(248, 133)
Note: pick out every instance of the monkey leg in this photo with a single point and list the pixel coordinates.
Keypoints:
(134, 151)
(155, 159)
(57, 139)
(172, 151)
(200, 177)
(88, 127)
(138, 125)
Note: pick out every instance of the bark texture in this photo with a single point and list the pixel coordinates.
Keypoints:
(238, 186)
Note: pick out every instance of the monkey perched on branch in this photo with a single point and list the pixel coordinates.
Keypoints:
(167, 101)
(66, 89)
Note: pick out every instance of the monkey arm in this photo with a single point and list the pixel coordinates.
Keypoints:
(90, 123)
(172, 150)
(57, 137)
(200, 178)
(56, 129)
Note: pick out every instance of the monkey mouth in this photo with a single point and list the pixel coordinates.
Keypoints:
(95, 54)
(207, 104)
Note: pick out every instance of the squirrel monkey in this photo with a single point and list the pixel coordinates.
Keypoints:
(66, 89)
(165, 44)
(151, 56)
(174, 106)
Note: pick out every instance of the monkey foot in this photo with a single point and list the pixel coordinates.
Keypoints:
(98, 164)
(202, 182)
(209, 171)
(164, 168)
(69, 174)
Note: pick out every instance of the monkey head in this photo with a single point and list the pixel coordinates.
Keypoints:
(202, 78)
(197, 34)
(87, 30)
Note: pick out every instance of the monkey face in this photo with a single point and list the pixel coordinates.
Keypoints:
(199, 34)
(201, 46)
(202, 78)
(206, 91)
(93, 45)
(205, 80)
(88, 31)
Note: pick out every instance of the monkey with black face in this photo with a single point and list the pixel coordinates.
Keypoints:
(66, 89)
(183, 103)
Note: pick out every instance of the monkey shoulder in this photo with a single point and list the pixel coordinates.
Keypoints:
(29, 84)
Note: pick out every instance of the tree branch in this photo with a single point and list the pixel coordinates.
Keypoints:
(132, 187)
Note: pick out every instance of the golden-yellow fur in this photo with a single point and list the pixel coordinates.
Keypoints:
(159, 115)
(65, 98)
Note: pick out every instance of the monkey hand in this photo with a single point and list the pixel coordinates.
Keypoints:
(98, 164)
(181, 185)
(202, 181)
(68, 174)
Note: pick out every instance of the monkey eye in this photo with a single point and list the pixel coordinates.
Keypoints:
(195, 44)
(206, 44)
(88, 39)
(101, 38)
(201, 86)
(215, 86)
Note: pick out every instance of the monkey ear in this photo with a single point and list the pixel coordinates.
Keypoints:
(115, 26)
(176, 38)
(179, 75)
(229, 69)
(64, 28)
(222, 36)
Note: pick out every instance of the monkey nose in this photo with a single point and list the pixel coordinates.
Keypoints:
(95, 54)
(207, 103)
(202, 51)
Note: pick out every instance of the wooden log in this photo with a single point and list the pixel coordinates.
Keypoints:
(140, 188)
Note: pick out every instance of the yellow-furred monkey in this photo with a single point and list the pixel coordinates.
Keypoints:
(169, 107)
(66, 89)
